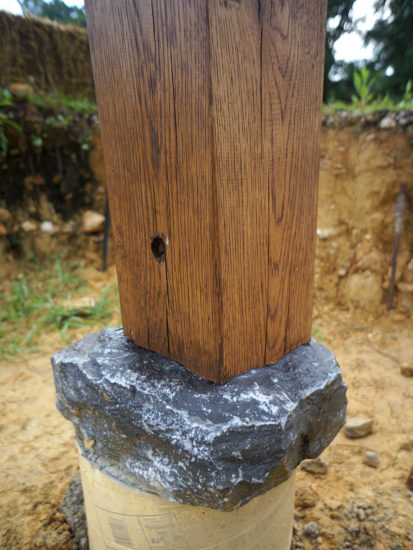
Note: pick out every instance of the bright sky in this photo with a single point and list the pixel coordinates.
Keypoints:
(348, 48)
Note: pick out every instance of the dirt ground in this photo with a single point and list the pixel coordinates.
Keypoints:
(353, 505)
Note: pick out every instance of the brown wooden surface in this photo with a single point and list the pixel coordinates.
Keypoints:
(210, 113)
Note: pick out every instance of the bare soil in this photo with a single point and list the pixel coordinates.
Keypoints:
(354, 505)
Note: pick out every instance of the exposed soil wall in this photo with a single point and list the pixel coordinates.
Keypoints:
(361, 168)
(50, 57)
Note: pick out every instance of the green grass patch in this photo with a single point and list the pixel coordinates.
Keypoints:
(64, 104)
(52, 296)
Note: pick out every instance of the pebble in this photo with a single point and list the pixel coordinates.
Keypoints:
(315, 466)
(371, 459)
(88, 443)
(92, 222)
(406, 369)
(361, 514)
(311, 530)
(326, 233)
(28, 226)
(358, 427)
(47, 227)
(388, 122)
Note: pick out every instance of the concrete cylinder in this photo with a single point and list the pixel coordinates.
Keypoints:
(119, 518)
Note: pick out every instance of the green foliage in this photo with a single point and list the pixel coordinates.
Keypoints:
(365, 98)
(407, 99)
(56, 10)
(340, 21)
(393, 40)
(61, 102)
(36, 141)
(58, 121)
(6, 100)
(363, 83)
(392, 63)
(4, 142)
(44, 300)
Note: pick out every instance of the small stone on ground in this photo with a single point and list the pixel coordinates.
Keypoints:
(371, 459)
(47, 227)
(358, 427)
(406, 369)
(92, 222)
(315, 466)
(311, 530)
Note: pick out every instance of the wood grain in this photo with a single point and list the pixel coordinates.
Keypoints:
(210, 118)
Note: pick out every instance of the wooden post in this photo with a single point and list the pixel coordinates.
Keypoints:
(210, 114)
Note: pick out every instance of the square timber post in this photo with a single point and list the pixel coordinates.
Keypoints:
(210, 115)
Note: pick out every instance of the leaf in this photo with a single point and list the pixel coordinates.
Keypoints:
(37, 141)
(357, 82)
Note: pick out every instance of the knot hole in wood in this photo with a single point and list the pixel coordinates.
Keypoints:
(158, 247)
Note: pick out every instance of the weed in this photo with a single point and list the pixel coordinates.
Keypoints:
(317, 334)
(364, 100)
(48, 298)
(61, 102)
(6, 98)
(363, 82)
(407, 100)
(58, 121)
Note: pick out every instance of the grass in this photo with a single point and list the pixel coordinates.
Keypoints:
(51, 297)
(364, 100)
(63, 103)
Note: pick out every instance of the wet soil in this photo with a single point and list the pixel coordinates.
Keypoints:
(353, 505)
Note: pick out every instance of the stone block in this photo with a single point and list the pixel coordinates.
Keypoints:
(158, 427)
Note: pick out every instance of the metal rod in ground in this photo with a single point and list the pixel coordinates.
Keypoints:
(399, 213)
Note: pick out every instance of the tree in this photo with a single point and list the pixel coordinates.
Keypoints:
(393, 39)
(56, 10)
(340, 20)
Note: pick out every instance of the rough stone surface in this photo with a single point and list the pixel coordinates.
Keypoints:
(358, 427)
(160, 428)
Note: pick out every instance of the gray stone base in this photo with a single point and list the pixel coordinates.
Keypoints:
(157, 427)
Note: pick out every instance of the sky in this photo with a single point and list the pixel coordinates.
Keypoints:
(348, 48)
